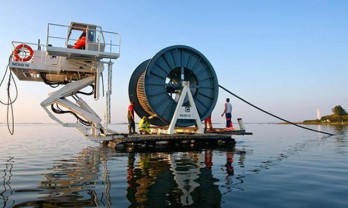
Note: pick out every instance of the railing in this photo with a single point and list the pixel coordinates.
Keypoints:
(101, 41)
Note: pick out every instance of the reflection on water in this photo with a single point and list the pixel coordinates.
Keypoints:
(340, 130)
(174, 179)
(8, 191)
(155, 179)
(71, 183)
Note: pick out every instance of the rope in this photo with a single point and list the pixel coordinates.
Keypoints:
(323, 132)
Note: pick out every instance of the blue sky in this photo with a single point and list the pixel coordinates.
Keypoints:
(287, 57)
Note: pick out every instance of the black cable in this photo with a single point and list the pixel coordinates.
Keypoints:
(53, 84)
(8, 84)
(58, 110)
(10, 107)
(87, 93)
(330, 134)
(10, 101)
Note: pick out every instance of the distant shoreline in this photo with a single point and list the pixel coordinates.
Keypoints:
(326, 123)
(319, 123)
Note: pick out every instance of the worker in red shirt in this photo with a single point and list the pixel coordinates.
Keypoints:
(81, 42)
(130, 116)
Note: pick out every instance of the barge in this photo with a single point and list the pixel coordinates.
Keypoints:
(178, 87)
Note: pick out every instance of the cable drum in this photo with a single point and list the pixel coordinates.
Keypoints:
(155, 84)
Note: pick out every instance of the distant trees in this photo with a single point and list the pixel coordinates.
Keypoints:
(339, 116)
(338, 111)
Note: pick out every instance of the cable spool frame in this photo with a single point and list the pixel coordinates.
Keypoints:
(152, 94)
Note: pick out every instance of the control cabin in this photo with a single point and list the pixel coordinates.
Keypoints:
(58, 60)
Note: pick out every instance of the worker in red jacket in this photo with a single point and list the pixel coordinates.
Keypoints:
(81, 42)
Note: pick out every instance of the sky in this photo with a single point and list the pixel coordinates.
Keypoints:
(287, 57)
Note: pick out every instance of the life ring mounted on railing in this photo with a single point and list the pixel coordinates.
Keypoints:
(23, 52)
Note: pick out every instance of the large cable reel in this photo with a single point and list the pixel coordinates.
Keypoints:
(155, 84)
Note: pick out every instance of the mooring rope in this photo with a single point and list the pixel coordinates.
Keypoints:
(323, 132)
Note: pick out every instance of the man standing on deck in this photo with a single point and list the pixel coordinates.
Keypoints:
(228, 113)
(130, 116)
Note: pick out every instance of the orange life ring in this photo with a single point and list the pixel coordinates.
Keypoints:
(18, 50)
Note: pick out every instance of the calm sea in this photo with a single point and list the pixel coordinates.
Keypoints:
(46, 165)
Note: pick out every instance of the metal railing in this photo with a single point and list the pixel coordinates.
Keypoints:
(103, 41)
